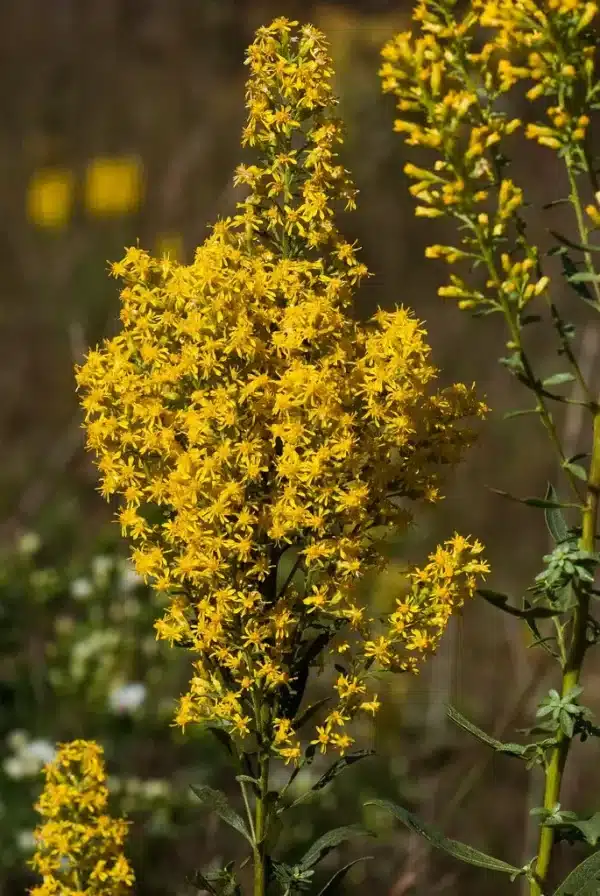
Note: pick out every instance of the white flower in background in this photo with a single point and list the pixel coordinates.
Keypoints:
(127, 697)
(81, 588)
(29, 543)
(101, 567)
(26, 841)
(28, 756)
(128, 577)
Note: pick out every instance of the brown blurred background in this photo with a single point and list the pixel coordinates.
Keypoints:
(157, 86)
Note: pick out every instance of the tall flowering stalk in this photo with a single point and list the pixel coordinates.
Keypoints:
(450, 90)
(262, 442)
(79, 846)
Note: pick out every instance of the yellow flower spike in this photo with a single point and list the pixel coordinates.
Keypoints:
(113, 185)
(245, 406)
(50, 198)
(79, 846)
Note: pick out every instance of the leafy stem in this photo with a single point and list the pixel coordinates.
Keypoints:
(572, 666)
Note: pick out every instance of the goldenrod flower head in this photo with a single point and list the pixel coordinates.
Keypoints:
(79, 845)
(242, 414)
(449, 99)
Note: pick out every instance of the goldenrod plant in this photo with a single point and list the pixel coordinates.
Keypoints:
(79, 846)
(451, 76)
(262, 444)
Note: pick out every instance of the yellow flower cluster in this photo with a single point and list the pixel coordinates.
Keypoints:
(242, 414)
(449, 100)
(79, 845)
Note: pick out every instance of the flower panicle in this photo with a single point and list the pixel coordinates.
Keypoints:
(79, 846)
(450, 101)
(241, 411)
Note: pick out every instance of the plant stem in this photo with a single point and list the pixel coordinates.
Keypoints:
(571, 669)
(260, 828)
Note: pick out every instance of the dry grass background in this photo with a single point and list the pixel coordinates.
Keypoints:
(164, 79)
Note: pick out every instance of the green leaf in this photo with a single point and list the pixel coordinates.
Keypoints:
(466, 725)
(520, 413)
(329, 841)
(461, 851)
(589, 827)
(582, 247)
(501, 602)
(555, 521)
(217, 802)
(305, 716)
(584, 277)
(331, 886)
(557, 379)
(339, 765)
(531, 502)
(577, 470)
(584, 880)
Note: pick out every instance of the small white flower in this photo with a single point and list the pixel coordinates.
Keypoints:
(127, 697)
(101, 566)
(128, 579)
(29, 543)
(42, 750)
(14, 767)
(26, 841)
(81, 588)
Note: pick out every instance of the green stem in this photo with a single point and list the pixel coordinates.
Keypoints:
(571, 669)
(260, 828)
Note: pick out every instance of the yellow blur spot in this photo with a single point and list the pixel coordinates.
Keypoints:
(113, 185)
(50, 197)
(170, 245)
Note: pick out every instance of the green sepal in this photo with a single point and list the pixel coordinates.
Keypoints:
(455, 848)
(583, 880)
(217, 802)
(510, 749)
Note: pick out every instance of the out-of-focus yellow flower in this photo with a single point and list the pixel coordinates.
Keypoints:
(113, 185)
(170, 244)
(50, 197)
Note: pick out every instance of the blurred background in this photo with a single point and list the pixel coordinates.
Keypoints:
(121, 121)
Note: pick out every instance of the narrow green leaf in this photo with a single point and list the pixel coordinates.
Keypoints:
(466, 725)
(584, 880)
(339, 765)
(222, 736)
(305, 716)
(531, 502)
(520, 413)
(216, 801)
(555, 521)
(584, 277)
(577, 470)
(501, 601)
(331, 887)
(329, 841)
(461, 851)
(582, 247)
(557, 379)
